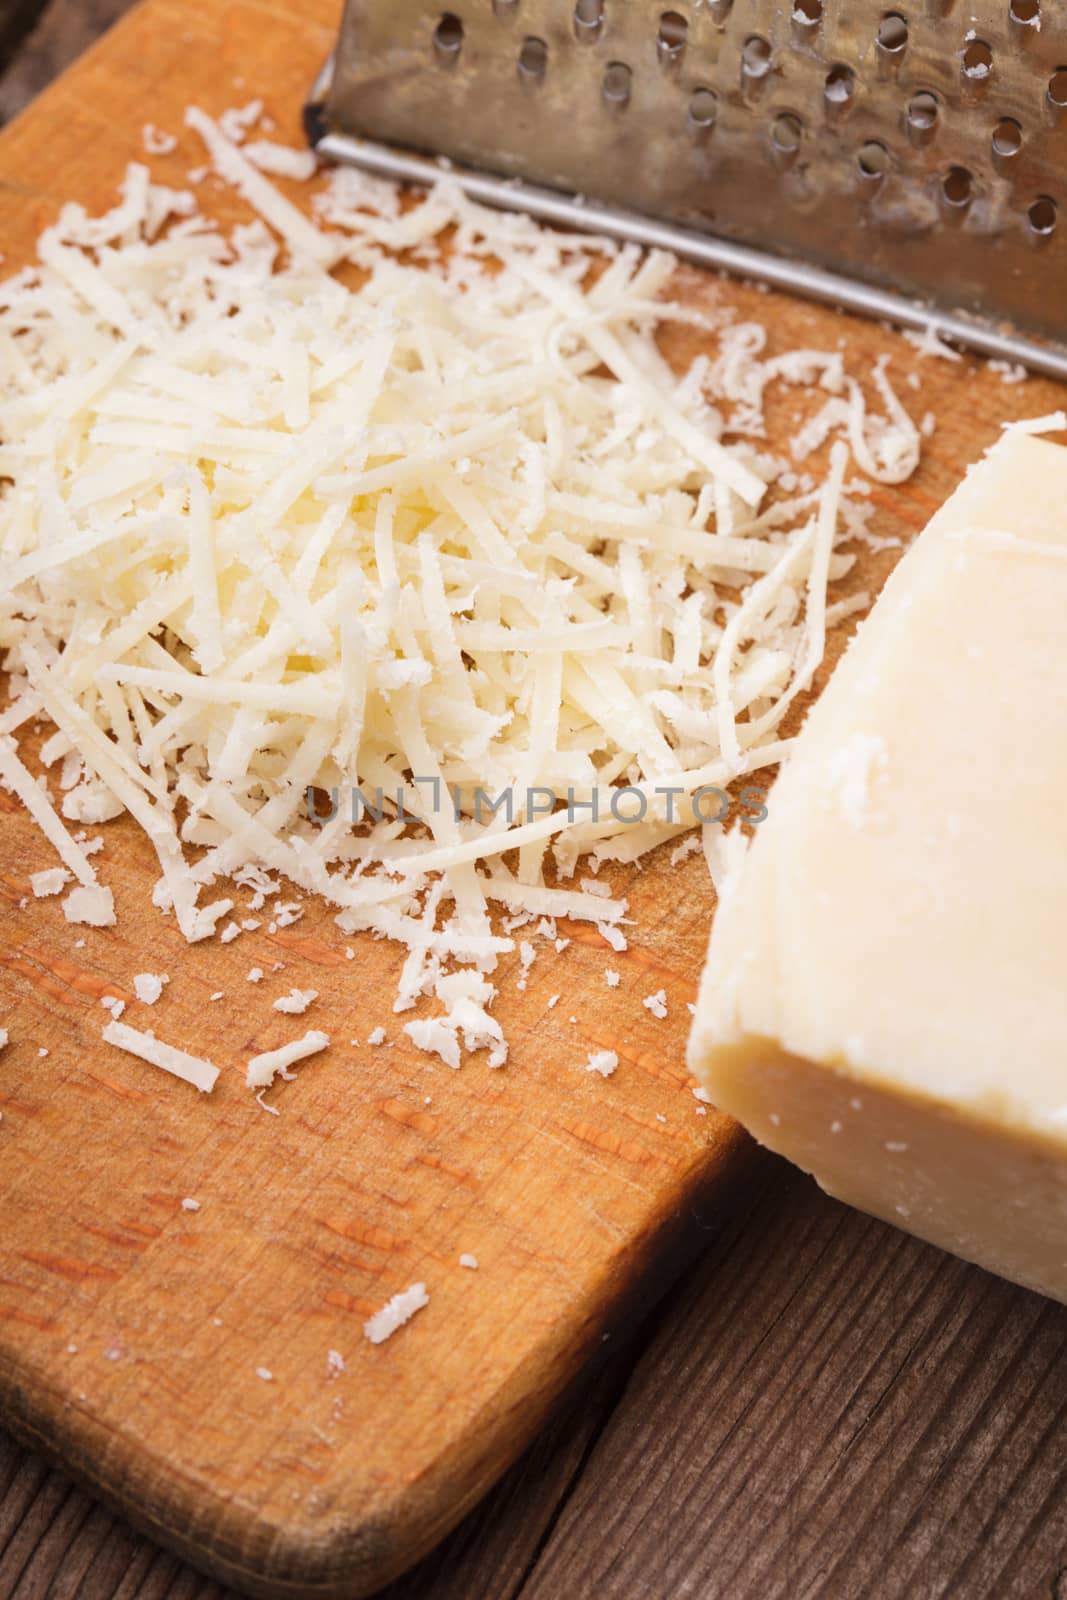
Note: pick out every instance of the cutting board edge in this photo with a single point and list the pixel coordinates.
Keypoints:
(291, 1559)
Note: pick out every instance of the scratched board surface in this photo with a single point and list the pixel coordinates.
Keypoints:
(132, 1327)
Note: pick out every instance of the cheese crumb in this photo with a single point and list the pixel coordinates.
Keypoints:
(602, 1061)
(393, 1315)
(1051, 422)
(92, 905)
(611, 977)
(200, 1073)
(280, 160)
(296, 1002)
(262, 1068)
(148, 986)
(469, 1261)
(601, 890)
(51, 881)
(656, 1003)
(689, 846)
(928, 342)
(1009, 371)
(236, 122)
(433, 1035)
(254, 974)
(527, 957)
(156, 142)
(190, 1205)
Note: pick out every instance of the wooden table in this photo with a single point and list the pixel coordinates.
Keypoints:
(826, 1408)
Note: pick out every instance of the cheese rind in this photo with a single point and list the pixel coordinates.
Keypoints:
(883, 999)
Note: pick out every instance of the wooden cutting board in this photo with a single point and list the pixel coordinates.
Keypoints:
(132, 1328)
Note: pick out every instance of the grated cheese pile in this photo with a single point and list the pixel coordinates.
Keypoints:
(282, 510)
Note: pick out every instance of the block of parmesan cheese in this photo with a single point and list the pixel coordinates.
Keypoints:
(885, 994)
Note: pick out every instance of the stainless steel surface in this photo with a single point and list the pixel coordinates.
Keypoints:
(861, 156)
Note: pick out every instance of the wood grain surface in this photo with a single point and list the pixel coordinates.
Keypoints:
(826, 1408)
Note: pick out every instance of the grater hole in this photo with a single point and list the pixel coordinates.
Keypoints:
(807, 14)
(588, 20)
(977, 61)
(1041, 217)
(872, 160)
(533, 59)
(922, 111)
(1057, 87)
(703, 110)
(448, 39)
(840, 86)
(892, 35)
(670, 40)
(756, 56)
(505, 9)
(787, 131)
(1007, 138)
(616, 85)
(957, 187)
(1028, 12)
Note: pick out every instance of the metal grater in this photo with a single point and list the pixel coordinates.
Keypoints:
(911, 165)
